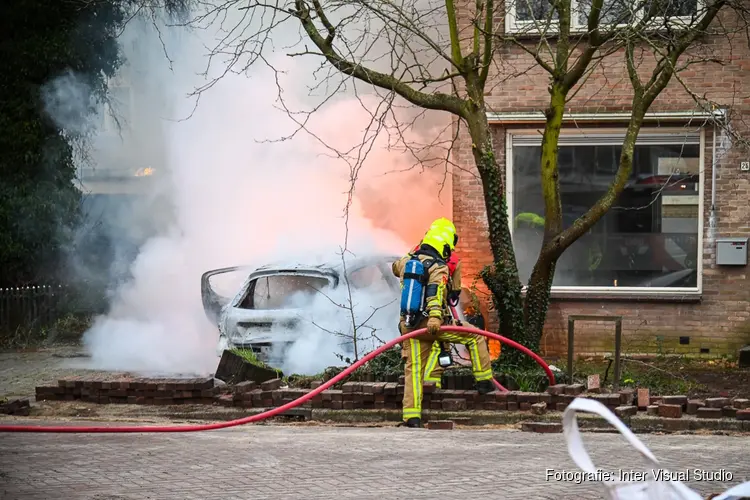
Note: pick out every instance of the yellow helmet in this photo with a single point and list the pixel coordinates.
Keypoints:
(442, 237)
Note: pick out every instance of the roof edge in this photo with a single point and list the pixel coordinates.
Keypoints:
(518, 117)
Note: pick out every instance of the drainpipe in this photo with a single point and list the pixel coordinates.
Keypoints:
(712, 213)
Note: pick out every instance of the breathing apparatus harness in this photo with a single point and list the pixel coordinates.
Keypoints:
(416, 289)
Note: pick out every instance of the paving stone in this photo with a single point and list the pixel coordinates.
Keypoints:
(173, 467)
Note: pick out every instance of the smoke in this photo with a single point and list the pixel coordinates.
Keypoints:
(206, 192)
(69, 100)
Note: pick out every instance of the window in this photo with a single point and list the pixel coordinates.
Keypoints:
(650, 239)
(538, 15)
(283, 291)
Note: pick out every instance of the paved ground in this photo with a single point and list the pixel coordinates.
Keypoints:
(334, 462)
(21, 372)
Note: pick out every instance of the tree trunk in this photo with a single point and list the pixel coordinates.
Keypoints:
(501, 277)
(540, 283)
(538, 298)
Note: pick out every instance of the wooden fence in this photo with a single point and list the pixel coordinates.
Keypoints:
(30, 306)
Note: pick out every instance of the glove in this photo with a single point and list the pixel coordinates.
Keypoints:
(433, 325)
(453, 297)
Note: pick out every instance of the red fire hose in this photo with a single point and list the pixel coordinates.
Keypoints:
(457, 319)
(281, 409)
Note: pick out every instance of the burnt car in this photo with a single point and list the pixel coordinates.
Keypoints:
(270, 310)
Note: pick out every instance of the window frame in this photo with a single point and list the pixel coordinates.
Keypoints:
(514, 26)
(610, 136)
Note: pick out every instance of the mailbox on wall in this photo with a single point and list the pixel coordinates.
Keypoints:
(731, 251)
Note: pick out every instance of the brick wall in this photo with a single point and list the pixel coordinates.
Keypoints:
(720, 320)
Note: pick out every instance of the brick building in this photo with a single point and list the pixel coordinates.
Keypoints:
(652, 259)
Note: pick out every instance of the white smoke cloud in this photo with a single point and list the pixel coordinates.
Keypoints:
(69, 100)
(233, 200)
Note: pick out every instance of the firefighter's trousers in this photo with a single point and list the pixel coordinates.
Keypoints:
(433, 372)
(417, 352)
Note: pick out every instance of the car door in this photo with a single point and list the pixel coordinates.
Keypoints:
(218, 288)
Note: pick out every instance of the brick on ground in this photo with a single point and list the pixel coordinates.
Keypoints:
(707, 412)
(541, 427)
(244, 387)
(271, 385)
(627, 397)
(539, 408)
(592, 384)
(693, 405)
(443, 425)
(729, 411)
(574, 389)
(717, 402)
(454, 404)
(670, 411)
(643, 398)
(675, 400)
(626, 411)
(743, 414)
(556, 389)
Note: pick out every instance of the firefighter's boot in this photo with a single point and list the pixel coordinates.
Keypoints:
(414, 423)
(485, 386)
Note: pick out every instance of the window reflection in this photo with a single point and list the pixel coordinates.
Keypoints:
(648, 239)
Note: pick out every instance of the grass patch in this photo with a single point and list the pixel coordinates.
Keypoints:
(249, 356)
(65, 329)
(385, 368)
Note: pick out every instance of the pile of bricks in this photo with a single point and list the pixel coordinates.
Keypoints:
(677, 406)
(131, 390)
(380, 395)
(19, 407)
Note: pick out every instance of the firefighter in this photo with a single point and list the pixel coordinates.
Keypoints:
(432, 312)
(433, 372)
